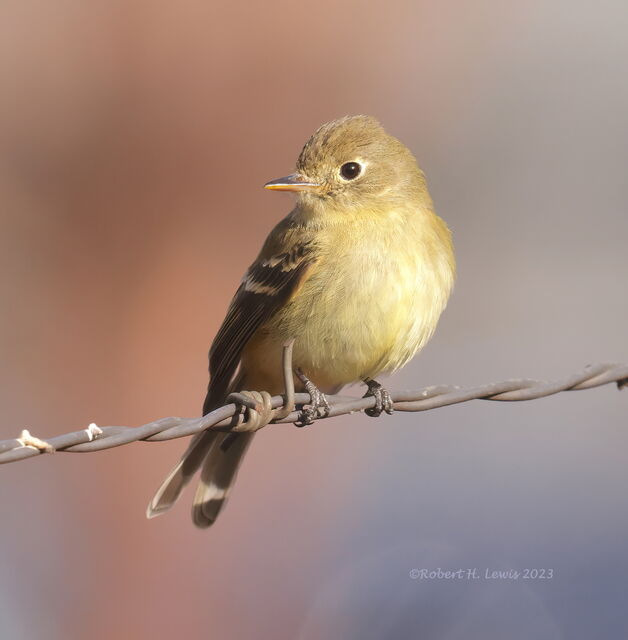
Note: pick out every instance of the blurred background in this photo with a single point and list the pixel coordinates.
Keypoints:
(134, 141)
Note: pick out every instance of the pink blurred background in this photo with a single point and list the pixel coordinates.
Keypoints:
(134, 140)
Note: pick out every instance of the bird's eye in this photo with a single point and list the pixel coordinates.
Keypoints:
(350, 170)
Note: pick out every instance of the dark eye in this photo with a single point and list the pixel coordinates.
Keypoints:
(350, 170)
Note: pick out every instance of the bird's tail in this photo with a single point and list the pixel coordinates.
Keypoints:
(220, 455)
(219, 471)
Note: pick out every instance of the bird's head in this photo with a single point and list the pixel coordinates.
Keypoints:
(352, 162)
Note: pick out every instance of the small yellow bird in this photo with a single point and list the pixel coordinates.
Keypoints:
(357, 274)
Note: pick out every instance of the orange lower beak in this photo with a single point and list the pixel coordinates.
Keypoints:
(294, 182)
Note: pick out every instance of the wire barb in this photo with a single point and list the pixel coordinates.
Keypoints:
(93, 431)
(28, 440)
(260, 403)
(284, 409)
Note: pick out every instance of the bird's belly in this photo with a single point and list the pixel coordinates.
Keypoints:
(363, 325)
(358, 329)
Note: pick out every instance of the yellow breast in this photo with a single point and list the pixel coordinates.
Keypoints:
(371, 302)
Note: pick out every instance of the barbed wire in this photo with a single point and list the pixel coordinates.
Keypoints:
(250, 411)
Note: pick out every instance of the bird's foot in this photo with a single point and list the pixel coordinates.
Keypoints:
(318, 406)
(383, 401)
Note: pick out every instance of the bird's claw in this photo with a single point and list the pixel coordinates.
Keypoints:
(318, 406)
(383, 401)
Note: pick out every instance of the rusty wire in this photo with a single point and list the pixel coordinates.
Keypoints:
(244, 411)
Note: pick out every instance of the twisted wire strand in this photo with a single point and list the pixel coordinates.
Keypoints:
(252, 410)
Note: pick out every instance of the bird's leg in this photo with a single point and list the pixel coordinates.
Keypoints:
(383, 401)
(318, 407)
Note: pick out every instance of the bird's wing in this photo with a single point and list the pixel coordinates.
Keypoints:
(266, 287)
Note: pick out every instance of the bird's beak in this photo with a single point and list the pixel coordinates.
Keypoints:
(293, 182)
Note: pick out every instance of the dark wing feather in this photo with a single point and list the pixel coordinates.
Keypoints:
(267, 285)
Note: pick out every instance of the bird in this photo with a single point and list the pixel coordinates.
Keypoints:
(357, 274)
